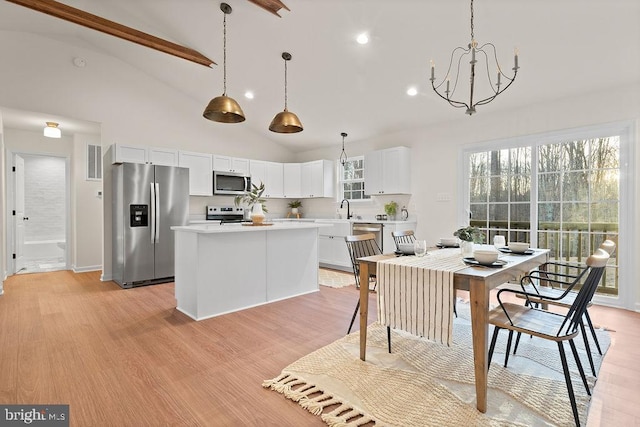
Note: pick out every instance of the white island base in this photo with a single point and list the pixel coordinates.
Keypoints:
(221, 269)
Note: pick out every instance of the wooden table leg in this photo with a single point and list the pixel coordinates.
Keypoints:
(479, 301)
(364, 307)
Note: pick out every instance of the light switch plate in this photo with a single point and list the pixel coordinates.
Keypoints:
(443, 197)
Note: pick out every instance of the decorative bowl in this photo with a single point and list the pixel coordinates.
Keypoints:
(449, 241)
(518, 247)
(485, 256)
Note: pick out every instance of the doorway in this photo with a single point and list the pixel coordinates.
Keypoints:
(41, 210)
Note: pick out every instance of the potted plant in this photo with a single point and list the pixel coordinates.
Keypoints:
(468, 236)
(253, 199)
(390, 209)
(294, 205)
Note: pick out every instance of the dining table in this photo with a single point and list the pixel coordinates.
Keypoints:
(478, 281)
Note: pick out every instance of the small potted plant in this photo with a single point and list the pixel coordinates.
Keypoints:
(468, 236)
(253, 199)
(390, 209)
(294, 205)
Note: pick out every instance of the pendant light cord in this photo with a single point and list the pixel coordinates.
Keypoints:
(285, 85)
(224, 55)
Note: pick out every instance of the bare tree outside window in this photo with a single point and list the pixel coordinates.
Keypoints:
(577, 204)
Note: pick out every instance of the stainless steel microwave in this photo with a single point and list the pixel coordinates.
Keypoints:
(233, 183)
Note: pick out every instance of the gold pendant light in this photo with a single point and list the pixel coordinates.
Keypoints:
(224, 109)
(285, 121)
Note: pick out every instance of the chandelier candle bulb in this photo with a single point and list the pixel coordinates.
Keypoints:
(515, 58)
(433, 70)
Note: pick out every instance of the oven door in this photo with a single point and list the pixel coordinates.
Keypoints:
(231, 183)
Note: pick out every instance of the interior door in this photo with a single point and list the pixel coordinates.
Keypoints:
(19, 217)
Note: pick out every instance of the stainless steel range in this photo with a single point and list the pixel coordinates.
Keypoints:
(225, 214)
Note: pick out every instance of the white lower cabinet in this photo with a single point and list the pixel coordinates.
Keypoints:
(333, 252)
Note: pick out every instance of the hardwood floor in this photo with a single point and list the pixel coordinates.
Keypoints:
(128, 358)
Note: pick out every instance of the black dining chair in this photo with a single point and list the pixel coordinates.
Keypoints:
(545, 287)
(550, 325)
(405, 237)
(359, 246)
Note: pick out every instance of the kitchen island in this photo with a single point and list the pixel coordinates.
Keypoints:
(224, 268)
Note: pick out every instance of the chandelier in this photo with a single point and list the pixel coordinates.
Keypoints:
(485, 53)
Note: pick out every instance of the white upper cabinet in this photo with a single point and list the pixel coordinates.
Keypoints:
(388, 171)
(200, 172)
(317, 179)
(269, 173)
(121, 153)
(292, 180)
(230, 164)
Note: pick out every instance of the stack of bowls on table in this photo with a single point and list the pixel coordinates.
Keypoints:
(486, 256)
(518, 247)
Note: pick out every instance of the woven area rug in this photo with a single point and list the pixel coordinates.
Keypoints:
(422, 383)
(334, 278)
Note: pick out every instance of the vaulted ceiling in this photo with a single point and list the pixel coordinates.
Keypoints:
(566, 48)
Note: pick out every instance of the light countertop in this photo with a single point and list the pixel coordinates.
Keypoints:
(240, 228)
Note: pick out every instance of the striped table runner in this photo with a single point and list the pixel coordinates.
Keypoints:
(415, 294)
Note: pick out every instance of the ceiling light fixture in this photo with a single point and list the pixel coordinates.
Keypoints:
(224, 109)
(248, 94)
(412, 91)
(343, 155)
(362, 38)
(486, 51)
(285, 121)
(52, 130)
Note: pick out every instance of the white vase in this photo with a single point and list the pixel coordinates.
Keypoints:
(257, 214)
(294, 210)
(466, 248)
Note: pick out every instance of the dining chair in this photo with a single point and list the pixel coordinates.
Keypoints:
(405, 237)
(540, 293)
(550, 325)
(359, 246)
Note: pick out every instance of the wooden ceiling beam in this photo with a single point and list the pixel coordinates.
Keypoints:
(80, 17)
(272, 6)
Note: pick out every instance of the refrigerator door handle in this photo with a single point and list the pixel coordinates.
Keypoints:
(157, 217)
(153, 212)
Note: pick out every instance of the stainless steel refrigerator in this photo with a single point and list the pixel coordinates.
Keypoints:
(147, 201)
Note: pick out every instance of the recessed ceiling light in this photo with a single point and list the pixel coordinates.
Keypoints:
(363, 38)
(412, 91)
(248, 94)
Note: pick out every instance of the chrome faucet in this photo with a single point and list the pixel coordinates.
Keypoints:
(348, 212)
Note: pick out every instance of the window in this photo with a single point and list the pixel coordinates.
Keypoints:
(94, 162)
(562, 195)
(351, 179)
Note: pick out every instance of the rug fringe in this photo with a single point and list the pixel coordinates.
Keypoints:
(342, 416)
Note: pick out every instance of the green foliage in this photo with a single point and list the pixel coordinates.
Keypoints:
(391, 208)
(252, 197)
(470, 234)
(295, 204)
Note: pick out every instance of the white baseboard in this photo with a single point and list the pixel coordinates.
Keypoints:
(105, 277)
(86, 269)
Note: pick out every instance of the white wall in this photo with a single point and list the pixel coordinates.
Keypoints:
(436, 151)
(3, 209)
(86, 209)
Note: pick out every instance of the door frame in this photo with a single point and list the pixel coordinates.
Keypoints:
(11, 203)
